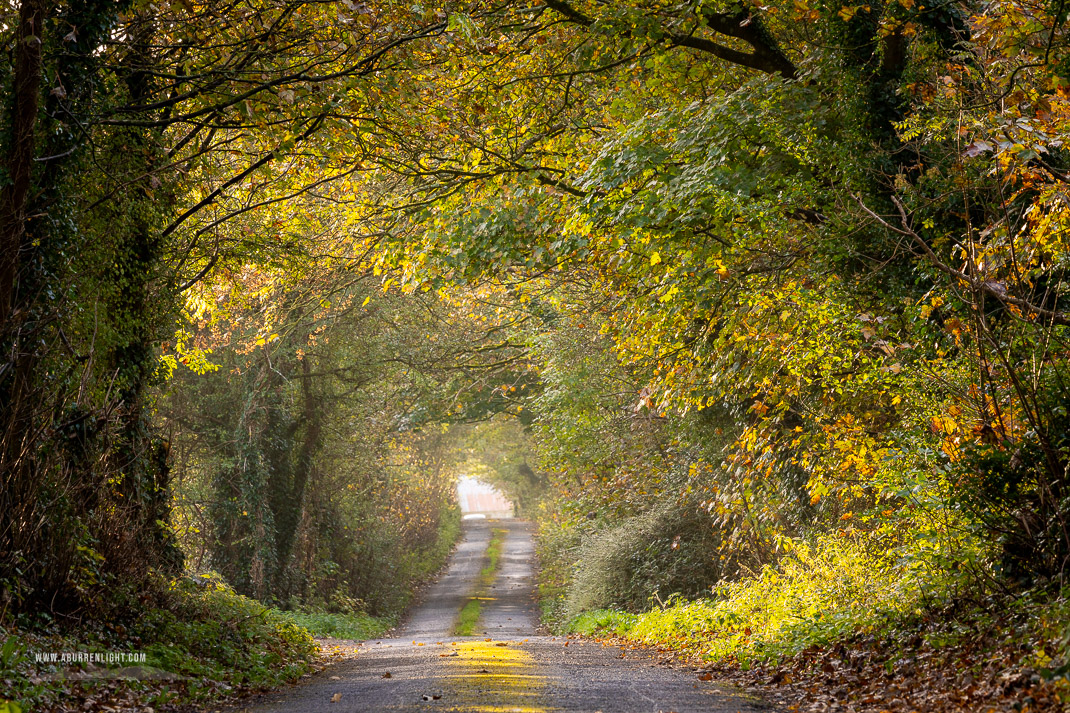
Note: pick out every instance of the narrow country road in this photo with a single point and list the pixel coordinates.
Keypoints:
(506, 666)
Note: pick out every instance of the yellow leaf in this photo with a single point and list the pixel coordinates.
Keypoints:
(847, 12)
(655, 259)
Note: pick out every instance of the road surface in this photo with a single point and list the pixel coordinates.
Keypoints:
(507, 667)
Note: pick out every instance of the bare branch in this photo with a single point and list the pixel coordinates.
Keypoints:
(988, 287)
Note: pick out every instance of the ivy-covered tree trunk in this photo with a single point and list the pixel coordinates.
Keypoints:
(138, 305)
(288, 487)
(18, 494)
(83, 496)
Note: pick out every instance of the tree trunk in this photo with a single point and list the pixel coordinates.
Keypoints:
(19, 165)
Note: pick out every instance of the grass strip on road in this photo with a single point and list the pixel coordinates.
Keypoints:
(469, 615)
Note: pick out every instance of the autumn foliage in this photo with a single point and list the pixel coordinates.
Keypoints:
(750, 280)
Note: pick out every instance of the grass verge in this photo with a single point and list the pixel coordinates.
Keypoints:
(339, 626)
(468, 618)
(816, 594)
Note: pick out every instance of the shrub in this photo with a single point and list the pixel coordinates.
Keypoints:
(556, 543)
(670, 550)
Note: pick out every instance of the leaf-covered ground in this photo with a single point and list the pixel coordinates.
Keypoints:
(936, 666)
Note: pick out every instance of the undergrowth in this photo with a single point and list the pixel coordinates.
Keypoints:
(202, 641)
(665, 549)
(816, 593)
(211, 631)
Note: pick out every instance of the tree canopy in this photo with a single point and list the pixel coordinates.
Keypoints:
(738, 273)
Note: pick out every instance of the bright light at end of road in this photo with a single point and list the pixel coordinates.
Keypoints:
(477, 498)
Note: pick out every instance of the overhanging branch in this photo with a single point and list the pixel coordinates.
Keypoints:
(742, 25)
(987, 287)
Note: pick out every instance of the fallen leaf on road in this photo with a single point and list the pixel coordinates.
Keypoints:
(387, 675)
(336, 697)
(431, 698)
(705, 677)
(336, 678)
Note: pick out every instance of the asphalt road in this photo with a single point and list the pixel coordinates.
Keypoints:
(508, 667)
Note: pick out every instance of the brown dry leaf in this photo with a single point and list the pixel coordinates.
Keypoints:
(336, 697)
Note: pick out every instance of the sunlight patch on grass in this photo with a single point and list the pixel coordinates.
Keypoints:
(814, 595)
